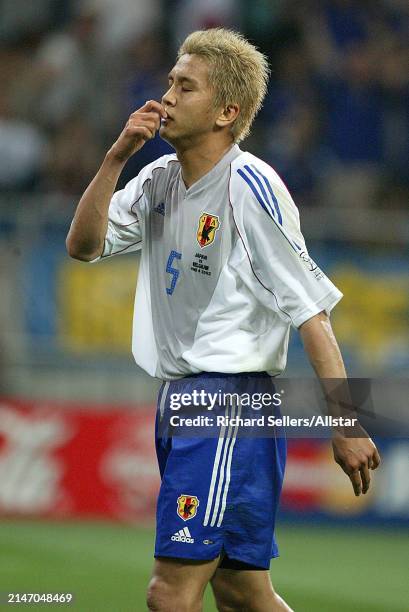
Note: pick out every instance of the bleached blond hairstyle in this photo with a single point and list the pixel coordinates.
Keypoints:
(238, 72)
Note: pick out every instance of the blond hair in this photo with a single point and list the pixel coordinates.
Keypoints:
(238, 73)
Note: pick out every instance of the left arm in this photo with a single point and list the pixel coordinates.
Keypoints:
(294, 287)
(356, 456)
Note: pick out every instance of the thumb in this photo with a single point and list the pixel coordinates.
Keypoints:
(153, 105)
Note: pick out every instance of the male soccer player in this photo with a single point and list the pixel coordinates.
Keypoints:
(224, 275)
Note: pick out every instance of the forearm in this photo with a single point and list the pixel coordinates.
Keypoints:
(322, 347)
(325, 356)
(85, 240)
(86, 237)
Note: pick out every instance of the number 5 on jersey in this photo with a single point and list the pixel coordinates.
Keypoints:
(173, 271)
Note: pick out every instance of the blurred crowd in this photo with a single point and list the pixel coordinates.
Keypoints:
(335, 123)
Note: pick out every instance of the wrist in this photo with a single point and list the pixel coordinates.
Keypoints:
(338, 433)
(114, 159)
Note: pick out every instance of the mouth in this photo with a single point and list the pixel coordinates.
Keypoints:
(166, 120)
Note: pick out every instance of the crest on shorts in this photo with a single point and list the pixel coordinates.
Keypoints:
(187, 506)
(208, 225)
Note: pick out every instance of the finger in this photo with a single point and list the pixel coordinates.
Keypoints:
(376, 459)
(355, 479)
(157, 107)
(152, 105)
(145, 115)
(152, 122)
(136, 131)
(365, 477)
(144, 131)
(155, 118)
(149, 119)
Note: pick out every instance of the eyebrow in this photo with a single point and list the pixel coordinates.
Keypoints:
(183, 78)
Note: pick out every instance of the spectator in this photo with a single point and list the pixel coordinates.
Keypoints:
(22, 150)
(189, 15)
(21, 19)
(289, 122)
(74, 152)
(67, 74)
(122, 21)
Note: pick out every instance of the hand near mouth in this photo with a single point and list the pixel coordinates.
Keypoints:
(141, 126)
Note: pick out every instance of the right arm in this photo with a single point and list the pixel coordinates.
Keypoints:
(85, 239)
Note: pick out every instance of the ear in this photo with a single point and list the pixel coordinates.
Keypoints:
(228, 115)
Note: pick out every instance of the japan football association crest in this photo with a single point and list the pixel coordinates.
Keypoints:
(187, 506)
(208, 226)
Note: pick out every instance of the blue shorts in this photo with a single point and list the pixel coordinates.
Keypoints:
(218, 495)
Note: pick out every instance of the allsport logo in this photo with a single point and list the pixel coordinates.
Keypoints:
(183, 535)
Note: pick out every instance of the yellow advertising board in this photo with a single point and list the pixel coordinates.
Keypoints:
(95, 305)
(372, 319)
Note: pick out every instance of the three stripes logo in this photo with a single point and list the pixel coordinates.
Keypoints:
(263, 191)
(183, 535)
(221, 475)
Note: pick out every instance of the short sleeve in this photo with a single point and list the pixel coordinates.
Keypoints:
(124, 233)
(267, 220)
(125, 217)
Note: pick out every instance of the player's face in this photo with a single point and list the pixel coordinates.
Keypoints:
(188, 102)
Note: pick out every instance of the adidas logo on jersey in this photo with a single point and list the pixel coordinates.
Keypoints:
(160, 208)
(183, 535)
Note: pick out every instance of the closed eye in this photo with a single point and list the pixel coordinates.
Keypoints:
(185, 83)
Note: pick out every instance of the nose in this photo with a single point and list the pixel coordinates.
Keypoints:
(168, 98)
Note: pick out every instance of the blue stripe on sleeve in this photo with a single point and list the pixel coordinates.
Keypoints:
(260, 184)
(254, 190)
(264, 204)
(273, 197)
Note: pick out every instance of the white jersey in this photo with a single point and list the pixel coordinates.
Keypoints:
(224, 269)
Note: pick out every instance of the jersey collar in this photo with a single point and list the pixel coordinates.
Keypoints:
(213, 174)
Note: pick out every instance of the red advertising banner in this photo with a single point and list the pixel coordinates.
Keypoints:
(65, 460)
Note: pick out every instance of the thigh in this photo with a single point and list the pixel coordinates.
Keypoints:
(183, 577)
(248, 590)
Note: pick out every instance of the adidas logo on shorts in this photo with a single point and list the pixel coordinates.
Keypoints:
(183, 535)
